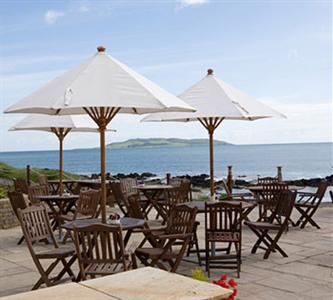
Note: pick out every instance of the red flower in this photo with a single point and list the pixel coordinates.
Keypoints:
(224, 277)
(232, 283)
(234, 293)
(224, 285)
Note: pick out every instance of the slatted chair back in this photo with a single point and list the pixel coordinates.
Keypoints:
(21, 185)
(35, 191)
(222, 221)
(127, 185)
(135, 210)
(175, 181)
(226, 189)
(267, 180)
(101, 247)
(321, 190)
(270, 194)
(88, 202)
(120, 197)
(17, 201)
(184, 183)
(43, 180)
(181, 219)
(35, 225)
(176, 195)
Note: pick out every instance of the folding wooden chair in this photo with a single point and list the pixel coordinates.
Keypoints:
(37, 190)
(100, 250)
(17, 201)
(120, 197)
(263, 229)
(177, 235)
(223, 227)
(268, 198)
(267, 180)
(21, 185)
(36, 227)
(307, 205)
(87, 207)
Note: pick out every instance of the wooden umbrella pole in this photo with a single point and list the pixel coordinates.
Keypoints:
(61, 134)
(211, 161)
(102, 117)
(211, 124)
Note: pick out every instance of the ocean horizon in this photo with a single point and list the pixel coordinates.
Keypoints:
(298, 160)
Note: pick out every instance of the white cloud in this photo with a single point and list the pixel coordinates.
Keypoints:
(52, 16)
(186, 3)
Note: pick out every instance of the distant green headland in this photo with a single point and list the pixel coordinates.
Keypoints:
(161, 142)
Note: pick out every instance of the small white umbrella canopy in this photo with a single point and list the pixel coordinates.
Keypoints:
(101, 87)
(60, 126)
(215, 101)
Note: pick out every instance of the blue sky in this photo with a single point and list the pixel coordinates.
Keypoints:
(277, 51)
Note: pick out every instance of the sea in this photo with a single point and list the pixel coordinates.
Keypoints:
(248, 161)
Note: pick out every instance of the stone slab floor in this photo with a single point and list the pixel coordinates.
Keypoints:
(305, 274)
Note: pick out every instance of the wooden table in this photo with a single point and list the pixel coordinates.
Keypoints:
(141, 284)
(152, 193)
(127, 224)
(68, 183)
(155, 284)
(259, 188)
(68, 291)
(64, 203)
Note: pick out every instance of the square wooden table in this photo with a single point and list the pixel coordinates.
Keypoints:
(155, 284)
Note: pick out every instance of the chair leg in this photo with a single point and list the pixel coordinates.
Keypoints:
(21, 240)
(44, 274)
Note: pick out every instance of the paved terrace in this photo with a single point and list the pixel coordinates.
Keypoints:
(305, 274)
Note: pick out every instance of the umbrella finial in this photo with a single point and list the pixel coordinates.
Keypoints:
(210, 72)
(101, 49)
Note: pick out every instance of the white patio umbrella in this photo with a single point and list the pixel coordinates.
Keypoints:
(101, 87)
(60, 126)
(215, 101)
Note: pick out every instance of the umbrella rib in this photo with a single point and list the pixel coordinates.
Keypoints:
(202, 122)
(91, 114)
(219, 122)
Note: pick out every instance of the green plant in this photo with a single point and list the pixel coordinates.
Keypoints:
(198, 274)
(3, 192)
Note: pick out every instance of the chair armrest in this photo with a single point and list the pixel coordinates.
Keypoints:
(176, 236)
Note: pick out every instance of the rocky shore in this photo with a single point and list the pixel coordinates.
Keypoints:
(202, 180)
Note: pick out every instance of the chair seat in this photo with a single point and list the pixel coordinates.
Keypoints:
(102, 268)
(263, 225)
(155, 252)
(56, 253)
(155, 224)
(222, 236)
(304, 205)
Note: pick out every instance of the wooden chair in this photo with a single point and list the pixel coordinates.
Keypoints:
(120, 197)
(267, 180)
(43, 180)
(17, 201)
(184, 183)
(87, 207)
(36, 227)
(127, 185)
(222, 227)
(237, 196)
(307, 205)
(37, 190)
(100, 250)
(268, 198)
(135, 211)
(177, 234)
(262, 229)
(21, 185)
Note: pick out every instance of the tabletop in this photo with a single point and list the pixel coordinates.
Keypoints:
(153, 187)
(63, 197)
(152, 283)
(69, 291)
(258, 188)
(57, 181)
(200, 205)
(125, 223)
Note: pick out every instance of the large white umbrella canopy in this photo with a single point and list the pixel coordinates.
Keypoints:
(215, 101)
(60, 126)
(101, 87)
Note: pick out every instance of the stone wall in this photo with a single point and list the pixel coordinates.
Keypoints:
(7, 216)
